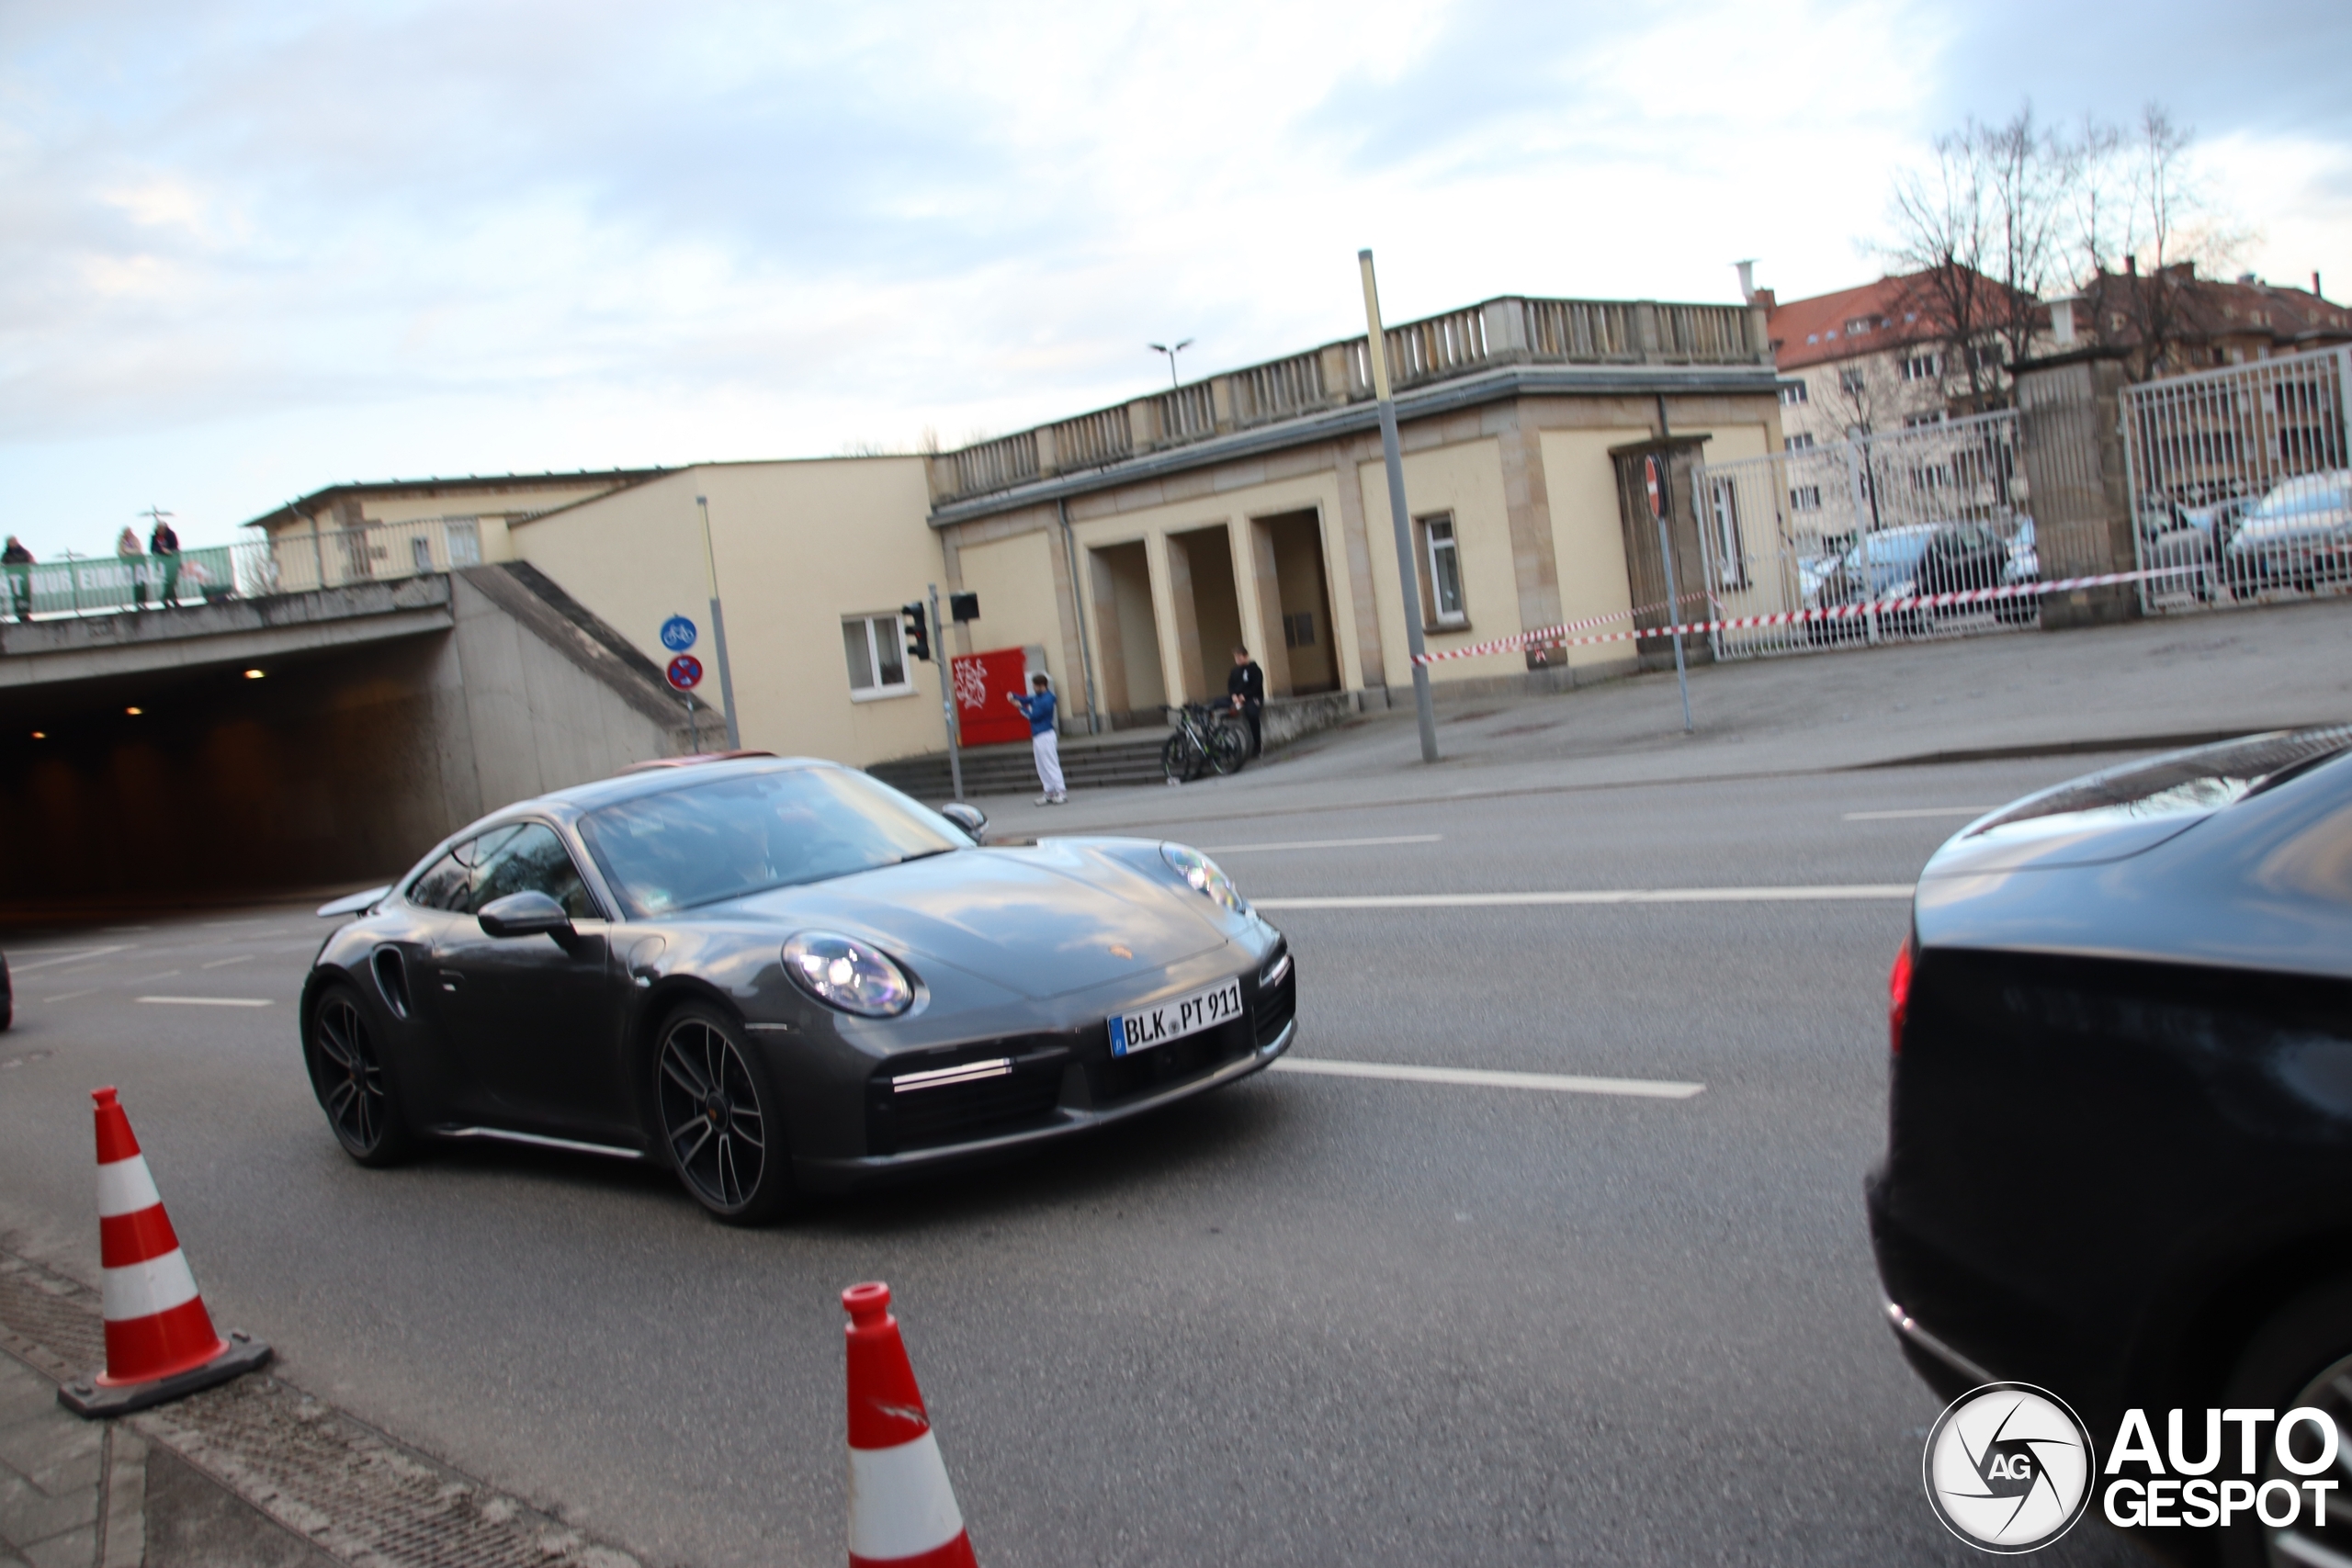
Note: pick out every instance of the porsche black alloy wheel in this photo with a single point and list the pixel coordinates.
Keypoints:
(348, 1075)
(718, 1121)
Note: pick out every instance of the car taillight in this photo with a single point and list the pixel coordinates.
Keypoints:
(1898, 998)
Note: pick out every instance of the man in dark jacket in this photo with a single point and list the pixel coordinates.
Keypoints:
(1245, 688)
(163, 543)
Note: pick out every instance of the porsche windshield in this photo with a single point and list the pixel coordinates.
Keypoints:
(752, 832)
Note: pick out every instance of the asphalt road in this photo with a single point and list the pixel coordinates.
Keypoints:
(1308, 1319)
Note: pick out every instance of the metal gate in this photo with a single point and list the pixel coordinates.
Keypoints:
(2240, 481)
(1931, 509)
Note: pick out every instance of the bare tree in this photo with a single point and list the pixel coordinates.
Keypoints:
(2140, 200)
(1941, 235)
(2028, 170)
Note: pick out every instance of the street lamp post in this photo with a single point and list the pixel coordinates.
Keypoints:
(718, 630)
(1408, 577)
(1171, 354)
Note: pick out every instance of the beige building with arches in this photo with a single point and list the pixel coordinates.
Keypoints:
(1129, 550)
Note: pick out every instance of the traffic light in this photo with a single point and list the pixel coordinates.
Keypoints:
(918, 632)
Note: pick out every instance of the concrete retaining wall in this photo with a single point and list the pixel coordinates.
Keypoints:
(342, 764)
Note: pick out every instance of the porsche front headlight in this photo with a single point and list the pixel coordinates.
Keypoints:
(1201, 875)
(843, 972)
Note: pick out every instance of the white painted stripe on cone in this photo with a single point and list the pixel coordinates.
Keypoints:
(1485, 1078)
(125, 1187)
(142, 1290)
(1605, 896)
(900, 1502)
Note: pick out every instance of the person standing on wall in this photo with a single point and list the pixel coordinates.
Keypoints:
(1245, 689)
(1038, 709)
(134, 561)
(165, 546)
(18, 561)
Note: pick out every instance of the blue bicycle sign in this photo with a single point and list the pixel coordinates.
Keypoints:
(677, 634)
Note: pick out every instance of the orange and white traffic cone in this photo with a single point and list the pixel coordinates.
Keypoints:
(160, 1343)
(902, 1513)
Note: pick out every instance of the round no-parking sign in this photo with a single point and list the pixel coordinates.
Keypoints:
(684, 671)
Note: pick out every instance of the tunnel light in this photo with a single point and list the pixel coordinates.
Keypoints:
(41, 734)
(134, 712)
(253, 674)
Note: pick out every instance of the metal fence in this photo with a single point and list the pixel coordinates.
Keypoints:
(1933, 509)
(288, 563)
(2240, 479)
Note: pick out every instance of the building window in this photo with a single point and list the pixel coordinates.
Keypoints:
(1805, 498)
(1801, 442)
(1730, 554)
(1914, 421)
(1445, 572)
(1793, 392)
(1923, 367)
(1858, 326)
(1299, 631)
(876, 652)
(1852, 380)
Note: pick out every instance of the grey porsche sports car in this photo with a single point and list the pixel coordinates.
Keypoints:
(779, 976)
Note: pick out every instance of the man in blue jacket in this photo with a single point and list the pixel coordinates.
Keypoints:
(1038, 709)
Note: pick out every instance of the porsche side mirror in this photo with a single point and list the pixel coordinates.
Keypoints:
(525, 914)
(969, 817)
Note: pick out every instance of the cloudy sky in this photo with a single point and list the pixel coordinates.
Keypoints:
(250, 250)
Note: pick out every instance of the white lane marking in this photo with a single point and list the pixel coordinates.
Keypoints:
(76, 957)
(1844, 891)
(1916, 811)
(1326, 844)
(68, 996)
(1480, 1078)
(241, 958)
(212, 1001)
(159, 975)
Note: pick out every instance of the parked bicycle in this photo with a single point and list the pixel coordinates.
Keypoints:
(1205, 742)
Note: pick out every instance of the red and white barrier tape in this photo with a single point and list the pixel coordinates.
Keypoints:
(1549, 637)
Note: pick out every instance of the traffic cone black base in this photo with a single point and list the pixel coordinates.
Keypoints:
(88, 1396)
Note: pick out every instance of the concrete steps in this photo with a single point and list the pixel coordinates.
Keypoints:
(1129, 758)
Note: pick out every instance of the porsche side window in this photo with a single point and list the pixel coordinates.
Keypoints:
(530, 859)
(443, 884)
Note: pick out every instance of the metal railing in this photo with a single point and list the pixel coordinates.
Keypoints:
(288, 562)
(2242, 478)
(1936, 509)
(1458, 343)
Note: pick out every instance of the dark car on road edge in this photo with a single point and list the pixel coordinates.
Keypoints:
(2119, 1152)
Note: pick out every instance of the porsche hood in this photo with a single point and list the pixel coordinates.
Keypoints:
(1042, 921)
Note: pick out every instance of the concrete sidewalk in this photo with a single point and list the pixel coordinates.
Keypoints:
(2139, 686)
(256, 1473)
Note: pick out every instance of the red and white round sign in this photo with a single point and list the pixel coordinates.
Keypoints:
(684, 673)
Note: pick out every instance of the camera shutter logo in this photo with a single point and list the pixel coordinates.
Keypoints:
(2009, 1467)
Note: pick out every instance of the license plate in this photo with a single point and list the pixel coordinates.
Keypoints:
(1175, 1019)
